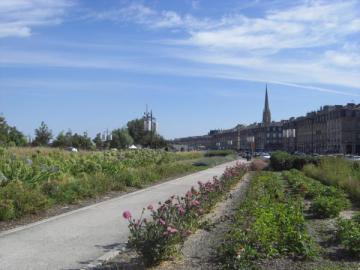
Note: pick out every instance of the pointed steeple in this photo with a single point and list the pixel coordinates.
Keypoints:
(266, 112)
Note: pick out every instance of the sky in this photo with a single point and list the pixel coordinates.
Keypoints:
(198, 64)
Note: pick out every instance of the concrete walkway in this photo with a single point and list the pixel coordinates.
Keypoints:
(75, 239)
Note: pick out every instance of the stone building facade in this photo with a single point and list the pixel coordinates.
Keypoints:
(332, 129)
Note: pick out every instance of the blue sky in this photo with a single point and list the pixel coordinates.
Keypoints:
(200, 65)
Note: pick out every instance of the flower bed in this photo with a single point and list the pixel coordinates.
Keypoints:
(269, 223)
(158, 238)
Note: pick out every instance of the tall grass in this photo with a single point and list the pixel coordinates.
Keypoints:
(33, 179)
(338, 172)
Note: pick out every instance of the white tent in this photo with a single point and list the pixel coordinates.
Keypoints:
(132, 147)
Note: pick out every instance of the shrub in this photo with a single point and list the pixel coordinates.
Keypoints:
(284, 161)
(349, 235)
(328, 206)
(26, 199)
(222, 153)
(7, 209)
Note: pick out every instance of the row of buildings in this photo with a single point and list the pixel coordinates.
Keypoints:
(332, 129)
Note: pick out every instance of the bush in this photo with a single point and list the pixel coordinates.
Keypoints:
(280, 161)
(221, 153)
(349, 235)
(7, 209)
(25, 199)
(328, 206)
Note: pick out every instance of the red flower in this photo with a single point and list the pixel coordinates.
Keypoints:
(150, 207)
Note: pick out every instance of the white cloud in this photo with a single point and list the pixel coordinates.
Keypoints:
(308, 25)
(18, 17)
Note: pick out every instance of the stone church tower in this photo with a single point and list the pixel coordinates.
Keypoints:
(266, 113)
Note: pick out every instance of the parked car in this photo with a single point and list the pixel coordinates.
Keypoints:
(71, 149)
(265, 156)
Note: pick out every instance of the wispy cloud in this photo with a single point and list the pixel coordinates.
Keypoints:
(18, 17)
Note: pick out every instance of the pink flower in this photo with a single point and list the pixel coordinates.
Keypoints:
(162, 222)
(127, 215)
(150, 207)
(196, 203)
(181, 210)
(171, 229)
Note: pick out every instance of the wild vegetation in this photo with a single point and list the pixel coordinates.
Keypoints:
(32, 180)
(158, 238)
(336, 171)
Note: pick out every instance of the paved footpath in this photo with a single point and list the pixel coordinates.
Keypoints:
(75, 239)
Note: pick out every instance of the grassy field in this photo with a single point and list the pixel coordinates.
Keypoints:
(33, 179)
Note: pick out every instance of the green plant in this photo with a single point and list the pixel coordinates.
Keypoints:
(349, 235)
(25, 199)
(338, 172)
(269, 223)
(280, 160)
(7, 209)
(328, 206)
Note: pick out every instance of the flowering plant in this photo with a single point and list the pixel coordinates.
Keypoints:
(157, 239)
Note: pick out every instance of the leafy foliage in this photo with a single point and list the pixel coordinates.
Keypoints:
(10, 136)
(269, 223)
(58, 176)
(284, 161)
(349, 234)
(43, 135)
(121, 138)
(328, 206)
(338, 172)
(327, 201)
(75, 140)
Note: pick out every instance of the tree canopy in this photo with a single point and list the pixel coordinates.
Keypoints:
(10, 136)
(43, 135)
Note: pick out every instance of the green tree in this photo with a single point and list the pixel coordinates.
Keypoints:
(82, 141)
(43, 135)
(10, 136)
(98, 141)
(136, 130)
(121, 138)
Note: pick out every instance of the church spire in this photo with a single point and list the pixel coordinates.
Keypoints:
(266, 112)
